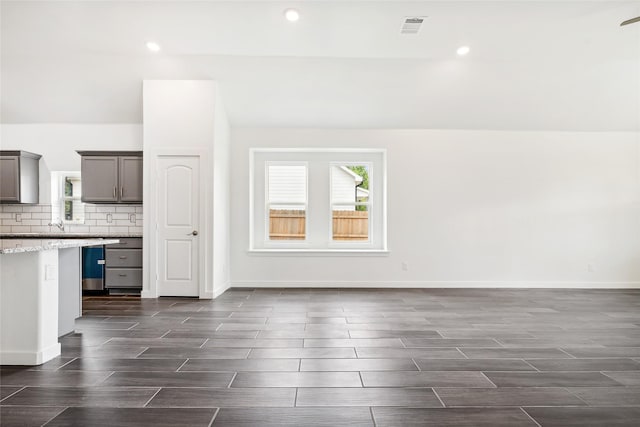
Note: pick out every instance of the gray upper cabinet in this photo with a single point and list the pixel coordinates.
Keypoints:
(99, 179)
(131, 179)
(19, 177)
(111, 176)
(10, 179)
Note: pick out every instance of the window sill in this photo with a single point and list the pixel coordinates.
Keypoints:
(318, 252)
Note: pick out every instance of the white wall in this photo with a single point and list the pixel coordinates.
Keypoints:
(57, 143)
(471, 208)
(221, 199)
(188, 115)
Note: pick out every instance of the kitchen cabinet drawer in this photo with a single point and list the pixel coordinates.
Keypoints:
(123, 278)
(123, 257)
(127, 243)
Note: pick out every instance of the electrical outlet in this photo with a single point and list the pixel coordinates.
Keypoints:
(18, 217)
(591, 267)
(132, 218)
(405, 266)
(109, 218)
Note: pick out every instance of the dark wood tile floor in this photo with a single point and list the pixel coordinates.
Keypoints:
(341, 358)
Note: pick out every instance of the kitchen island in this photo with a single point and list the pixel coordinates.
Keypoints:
(38, 284)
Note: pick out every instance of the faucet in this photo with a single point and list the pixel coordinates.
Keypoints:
(59, 224)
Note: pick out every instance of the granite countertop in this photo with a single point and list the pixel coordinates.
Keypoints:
(15, 246)
(68, 235)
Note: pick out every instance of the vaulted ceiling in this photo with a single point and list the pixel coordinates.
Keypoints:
(542, 65)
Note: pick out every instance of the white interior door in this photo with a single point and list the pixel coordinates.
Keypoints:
(177, 239)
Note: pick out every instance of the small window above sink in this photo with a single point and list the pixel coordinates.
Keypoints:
(66, 193)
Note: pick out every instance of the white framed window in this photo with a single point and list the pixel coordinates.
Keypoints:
(318, 200)
(351, 203)
(66, 191)
(286, 202)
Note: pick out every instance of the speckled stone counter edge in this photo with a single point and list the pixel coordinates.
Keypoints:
(35, 245)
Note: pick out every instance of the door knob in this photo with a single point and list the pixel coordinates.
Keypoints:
(194, 233)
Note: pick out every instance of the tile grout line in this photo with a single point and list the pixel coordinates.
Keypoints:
(150, 399)
(530, 417)
(461, 352)
(525, 361)
(140, 354)
(106, 378)
(180, 367)
(575, 395)
(235, 374)
(17, 391)
(488, 379)
(55, 416)
(214, 417)
(497, 341)
(567, 353)
(130, 328)
(608, 376)
(62, 366)
(433, 389)
(373, 418)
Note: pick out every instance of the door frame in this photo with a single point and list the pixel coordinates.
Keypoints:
(150, 239)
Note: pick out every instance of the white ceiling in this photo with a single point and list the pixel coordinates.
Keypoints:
(545, 65)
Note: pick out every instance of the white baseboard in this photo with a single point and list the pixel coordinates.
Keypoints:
(30, 358)
(216, 292)
(437, 284)
(221, 290)
(148, 294)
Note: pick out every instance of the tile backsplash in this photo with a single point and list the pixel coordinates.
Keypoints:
(99, 219)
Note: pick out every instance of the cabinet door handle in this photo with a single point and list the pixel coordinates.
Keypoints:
(123, 257)
(114, 192)
(122, 275)
(121, 192)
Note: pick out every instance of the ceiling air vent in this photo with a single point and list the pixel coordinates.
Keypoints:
(412, 24)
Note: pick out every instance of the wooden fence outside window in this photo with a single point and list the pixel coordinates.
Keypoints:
(290, 225)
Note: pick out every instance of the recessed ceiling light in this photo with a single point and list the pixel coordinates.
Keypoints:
(291, 15)
(153, 46)
(463, 50)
